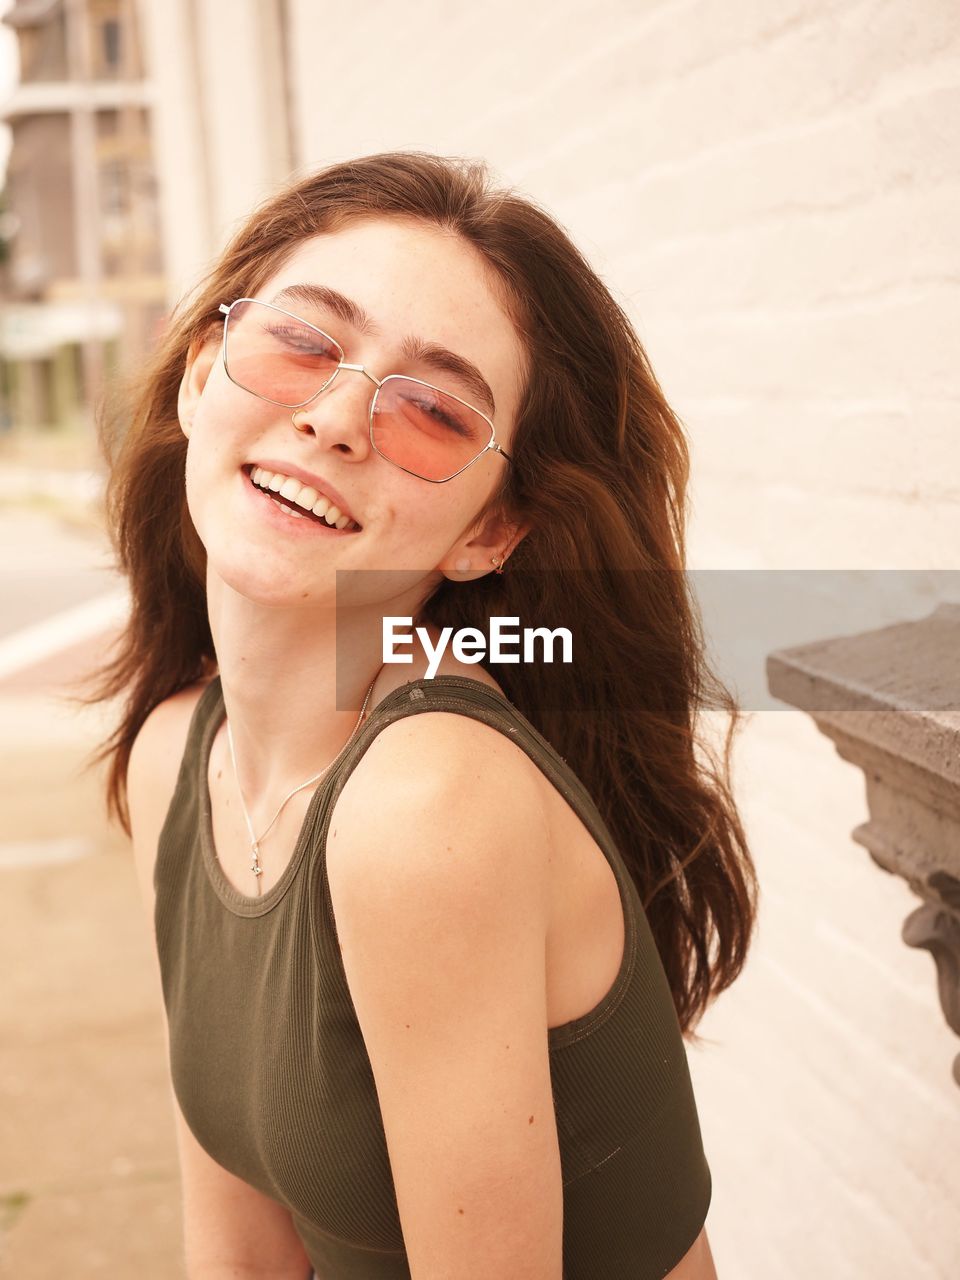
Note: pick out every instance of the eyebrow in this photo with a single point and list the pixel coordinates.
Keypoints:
(412, 348)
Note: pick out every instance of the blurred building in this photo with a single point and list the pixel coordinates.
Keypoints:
(224, 123)
(82, 279)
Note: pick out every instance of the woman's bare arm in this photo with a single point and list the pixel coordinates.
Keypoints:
(440, 892)
(230, 1229)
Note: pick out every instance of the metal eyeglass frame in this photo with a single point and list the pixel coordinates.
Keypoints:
(491, 444)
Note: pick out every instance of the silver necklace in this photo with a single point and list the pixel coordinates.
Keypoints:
(255, 840)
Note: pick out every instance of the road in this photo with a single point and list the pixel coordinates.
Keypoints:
(62, 597)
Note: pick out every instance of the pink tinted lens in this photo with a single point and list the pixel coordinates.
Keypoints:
(276, 356)
(426, 431)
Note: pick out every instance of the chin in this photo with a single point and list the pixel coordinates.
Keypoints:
(265, 581)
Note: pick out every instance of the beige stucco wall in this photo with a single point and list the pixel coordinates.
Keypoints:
(771, 189)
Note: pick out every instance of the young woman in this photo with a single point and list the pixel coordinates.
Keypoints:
(429, 946)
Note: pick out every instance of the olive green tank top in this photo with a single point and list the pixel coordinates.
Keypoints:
(269, 1066)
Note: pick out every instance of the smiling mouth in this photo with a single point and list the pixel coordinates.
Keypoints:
(299, 500)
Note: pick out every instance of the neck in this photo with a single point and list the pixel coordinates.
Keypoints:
(294, 681)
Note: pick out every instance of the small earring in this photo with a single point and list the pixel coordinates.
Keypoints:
(462, 566)
(498, 563)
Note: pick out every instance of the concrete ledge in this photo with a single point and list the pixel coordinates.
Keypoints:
(890, 701)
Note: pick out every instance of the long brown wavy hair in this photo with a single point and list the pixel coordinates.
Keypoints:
(600, 471)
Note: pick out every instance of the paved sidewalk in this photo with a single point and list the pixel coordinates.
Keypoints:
(89, 1183)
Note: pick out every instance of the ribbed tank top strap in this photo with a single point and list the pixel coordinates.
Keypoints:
(180, 829)
(470, 697)
(480, 702)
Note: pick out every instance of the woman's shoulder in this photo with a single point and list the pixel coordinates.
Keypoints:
(152, 772)
(157, 751)
(168, 720)
(431, 775)
(442, 737)
(394, 676)
(428, 749)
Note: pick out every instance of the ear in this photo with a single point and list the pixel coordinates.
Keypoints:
(201, 358)
(473, 555)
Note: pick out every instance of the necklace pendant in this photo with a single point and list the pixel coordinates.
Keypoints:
(256, 867)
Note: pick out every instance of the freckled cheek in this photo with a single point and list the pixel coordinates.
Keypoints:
(411, 534)
(204, 464)
(199, 487)
(210, 473)
(423, 522)
(231, 419)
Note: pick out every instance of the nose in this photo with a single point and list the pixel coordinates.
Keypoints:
(326, 418)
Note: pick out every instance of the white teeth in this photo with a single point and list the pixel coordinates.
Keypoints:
(293, 491)
(291, 511)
